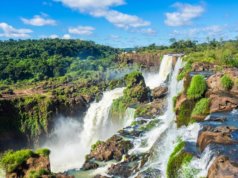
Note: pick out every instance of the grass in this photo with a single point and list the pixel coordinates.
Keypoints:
(187, 68)
(226, 82)
(177, 159)
(197, 87)
(201, 107)
(38, 174)
(43, 152)
(11, 160)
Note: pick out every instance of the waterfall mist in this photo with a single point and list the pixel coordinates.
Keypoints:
(71, 139)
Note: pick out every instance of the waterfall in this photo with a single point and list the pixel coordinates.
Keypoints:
(154, 80)
(163, 137)
(72, 139)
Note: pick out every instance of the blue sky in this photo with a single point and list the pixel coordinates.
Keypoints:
(119, 23)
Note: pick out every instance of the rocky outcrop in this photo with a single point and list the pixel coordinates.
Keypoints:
(113, 148)
(222, 101)
(159, 92)
(147, 60)
(214, 82)
(223, 167)
(219, 135)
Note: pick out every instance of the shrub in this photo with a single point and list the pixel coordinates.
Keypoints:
(177, 159)
(43, 152)
(197, 87)
(226, 82)
(187, 68)
(134, 78)
(11, 160)
(201, 107)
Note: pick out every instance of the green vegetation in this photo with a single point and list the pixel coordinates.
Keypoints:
(94, 146)
(36, 60)
(187, 68)
(197, 87)
(43, 152)
(11, 160)
(135, 92)
(142, 111)
(184, 113)
(39, 174)
(226, 82)
(150, 125)
(201, 107)
(177, 159)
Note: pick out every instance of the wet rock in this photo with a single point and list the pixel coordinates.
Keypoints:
(90, 165)
(219, 135)
(150, 110)
(113, 148)
(222, 167)
(159, 92)
(130, 165)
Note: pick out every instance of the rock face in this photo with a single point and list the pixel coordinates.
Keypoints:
(220, 135)
(113, 148)
(222, 167)
(159, 92)
(146, 60)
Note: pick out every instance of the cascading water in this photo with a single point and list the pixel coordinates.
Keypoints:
(72, 139)
(163, 137)
(153, 80)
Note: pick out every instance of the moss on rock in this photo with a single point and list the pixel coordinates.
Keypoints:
(197, 87)
(177, 159)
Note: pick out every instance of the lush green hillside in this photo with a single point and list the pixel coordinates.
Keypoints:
(37, 60)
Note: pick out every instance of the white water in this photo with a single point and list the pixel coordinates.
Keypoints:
(163, 137)
(73, 139)
(154, 80)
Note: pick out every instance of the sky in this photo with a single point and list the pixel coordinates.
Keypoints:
(119, 23)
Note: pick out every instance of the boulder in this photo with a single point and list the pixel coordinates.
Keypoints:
(222, 167)
(113, 148)
(159, 92)
(220, 135)
(90, 165)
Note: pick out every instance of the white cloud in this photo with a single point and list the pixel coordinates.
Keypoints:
(81, 30)
(91, 5)
(11, 32)
(103, 9)
(53, 36)
(124, 20)
(39, 20)
(214, 31)
(149, 31)
(66, 36)
(184, 15)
